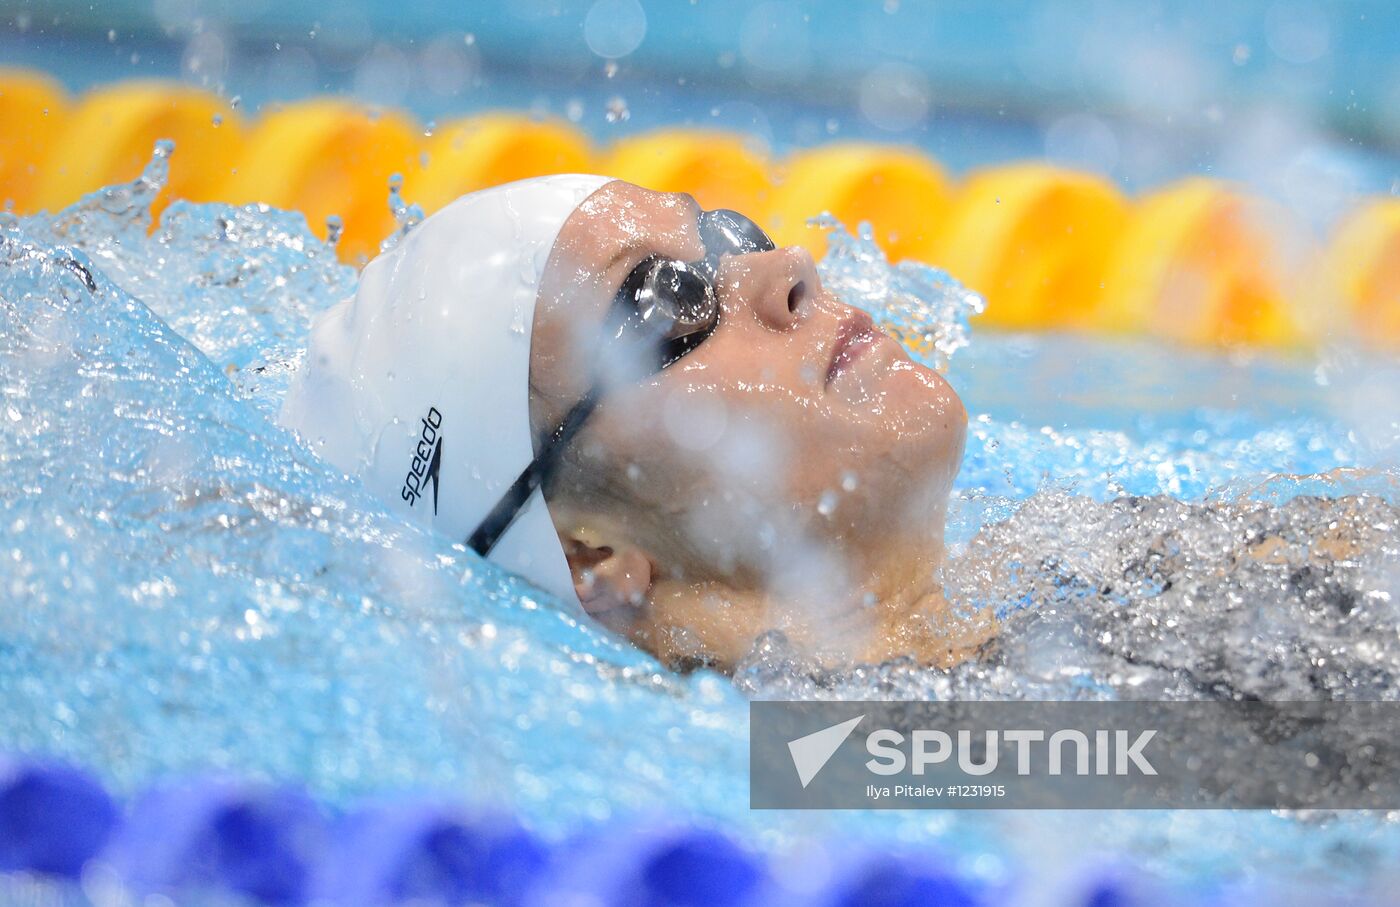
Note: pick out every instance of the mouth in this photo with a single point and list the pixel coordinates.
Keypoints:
(854, 335)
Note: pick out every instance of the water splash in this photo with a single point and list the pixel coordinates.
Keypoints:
(921, 306)
(183, 571)
(1153, 598)
(335, 228)
(102, 221)
(240, 283)
(406, 215)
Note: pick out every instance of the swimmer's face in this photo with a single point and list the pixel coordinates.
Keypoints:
(791, 468)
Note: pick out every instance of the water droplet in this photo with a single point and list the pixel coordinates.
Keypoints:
(218, 120)
(827, 505)
(849, 481)
(617, 109)
(111, 36)
(406, 215)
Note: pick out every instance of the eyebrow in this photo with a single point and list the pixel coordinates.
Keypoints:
(630, 247)
(623, 251)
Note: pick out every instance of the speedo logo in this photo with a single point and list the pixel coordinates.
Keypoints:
(427, 460)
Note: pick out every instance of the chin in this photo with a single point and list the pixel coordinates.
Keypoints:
(914, 390)
(931, 420)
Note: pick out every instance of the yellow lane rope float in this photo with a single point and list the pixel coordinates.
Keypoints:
(1359, 274)
(1034, 240)
(1196, 261)
(327, 157)
(1200, 263)
(33, 108)
(720, 169)
(487, 150)
(108, 138)
(900, 192)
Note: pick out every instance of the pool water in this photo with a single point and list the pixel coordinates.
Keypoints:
(187, 587)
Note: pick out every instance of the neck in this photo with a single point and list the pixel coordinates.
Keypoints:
(911, 617)
(900, 611)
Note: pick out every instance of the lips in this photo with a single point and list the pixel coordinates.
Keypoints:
(854, 335)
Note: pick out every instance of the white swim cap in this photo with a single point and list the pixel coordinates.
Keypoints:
(419, 384)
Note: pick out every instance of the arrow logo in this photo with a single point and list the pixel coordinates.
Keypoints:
(811, 753)
(435, 471)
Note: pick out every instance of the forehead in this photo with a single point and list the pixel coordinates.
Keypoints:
(622, 220)
(608, 235)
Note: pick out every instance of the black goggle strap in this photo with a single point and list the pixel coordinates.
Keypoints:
(622, 321)
(498, 522)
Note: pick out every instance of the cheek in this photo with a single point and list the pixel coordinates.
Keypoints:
(891, 466)
(729, 469)
(717, 467)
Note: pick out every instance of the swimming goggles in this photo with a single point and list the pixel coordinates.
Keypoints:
(664, 309)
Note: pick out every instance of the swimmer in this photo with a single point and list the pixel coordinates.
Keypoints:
(654, 413)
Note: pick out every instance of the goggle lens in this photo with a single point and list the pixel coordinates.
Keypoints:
(676, 301)
(728, 232)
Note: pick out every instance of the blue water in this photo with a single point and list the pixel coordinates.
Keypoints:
(186, 586)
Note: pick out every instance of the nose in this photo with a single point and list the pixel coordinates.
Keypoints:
(777, 288)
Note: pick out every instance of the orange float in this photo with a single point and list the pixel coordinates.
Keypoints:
(494, 148)
(902, 194)
(1200, 263)
(109, 138)
(33, 108)
(328, 157)
(1359, 274)
(720, 169)
(1034, 240)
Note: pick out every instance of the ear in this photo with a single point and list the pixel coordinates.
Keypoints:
(611, 581)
